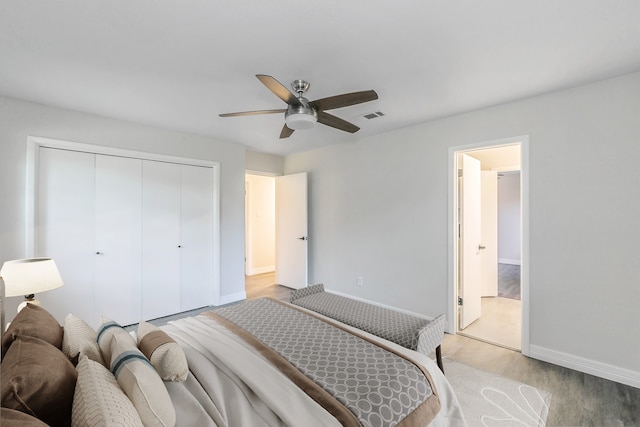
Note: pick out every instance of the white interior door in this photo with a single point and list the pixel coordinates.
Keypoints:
(118, 240)
(65, 227)
(489, 254)
(470, 277)
(291, 230)
(196, 229)
(160, 239)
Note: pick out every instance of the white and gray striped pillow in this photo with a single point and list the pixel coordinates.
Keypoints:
(141, 382)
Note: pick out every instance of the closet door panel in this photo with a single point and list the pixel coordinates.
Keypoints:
(118, 226)
(196, 237)
(160, 239)
(64, 229)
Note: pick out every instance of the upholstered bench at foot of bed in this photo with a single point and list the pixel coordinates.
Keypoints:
(415, 333)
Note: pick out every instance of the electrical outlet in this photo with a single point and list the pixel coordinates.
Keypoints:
(359, 281)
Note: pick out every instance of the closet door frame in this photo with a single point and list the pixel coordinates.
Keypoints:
(34, 143)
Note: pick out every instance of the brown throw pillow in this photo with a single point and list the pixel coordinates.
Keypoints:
(39, 380)
(33, 321)
(163, 352)
(13, 418)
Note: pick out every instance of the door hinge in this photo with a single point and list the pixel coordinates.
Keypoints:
(459, 173)
(459, 300)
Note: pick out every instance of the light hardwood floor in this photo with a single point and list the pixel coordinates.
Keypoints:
(263, 285)
(577, 399)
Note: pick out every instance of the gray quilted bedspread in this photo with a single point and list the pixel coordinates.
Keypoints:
(379, 387)
(401, 328)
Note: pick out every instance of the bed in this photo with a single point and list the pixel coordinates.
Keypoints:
(257, 363)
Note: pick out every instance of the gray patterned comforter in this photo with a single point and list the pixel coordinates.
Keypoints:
(377, 386)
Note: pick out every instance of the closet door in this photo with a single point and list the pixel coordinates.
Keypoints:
(160, 239)
(196, 228)
(118, 240)
(64, 229)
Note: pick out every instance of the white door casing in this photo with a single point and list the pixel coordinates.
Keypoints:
(522, 141)
(470, 284)
(291, 230)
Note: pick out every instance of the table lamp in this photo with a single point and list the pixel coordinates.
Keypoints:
(28, 277)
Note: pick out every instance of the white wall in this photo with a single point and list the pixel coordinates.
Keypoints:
(509, 218)
(378, 209)
(263, 162)
(261, 224)
(18, 119)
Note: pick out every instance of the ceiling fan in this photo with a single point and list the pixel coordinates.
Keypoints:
(302, 113)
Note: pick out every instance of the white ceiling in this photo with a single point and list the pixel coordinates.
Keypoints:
(178, 64)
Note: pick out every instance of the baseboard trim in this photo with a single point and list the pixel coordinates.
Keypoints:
(508, 261)
(261, 270)
(228, 299)
(592, 367)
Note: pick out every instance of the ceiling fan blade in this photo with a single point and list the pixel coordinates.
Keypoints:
(286, 132)
(252, 113)
(279, 90)
(336, 122)
(344, 100)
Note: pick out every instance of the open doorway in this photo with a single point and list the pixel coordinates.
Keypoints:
(488, 286)
(260, 263)
(275, 232)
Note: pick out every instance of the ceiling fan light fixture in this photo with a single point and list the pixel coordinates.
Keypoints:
(300, 117)
(298, 121)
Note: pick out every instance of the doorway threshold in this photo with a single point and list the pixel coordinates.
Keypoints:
(497, 344)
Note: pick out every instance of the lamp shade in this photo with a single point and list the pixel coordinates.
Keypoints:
(30, 276)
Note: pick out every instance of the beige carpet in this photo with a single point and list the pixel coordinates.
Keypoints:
(491, 400)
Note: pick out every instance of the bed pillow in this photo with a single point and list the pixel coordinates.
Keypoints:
(99, 400)
(33, 321)
(141, 383)
(38, 380)
(80, 339)
(163, 352)
(108, 329)
(11, 417)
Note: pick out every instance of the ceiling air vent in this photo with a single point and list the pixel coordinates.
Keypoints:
(373, 115)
